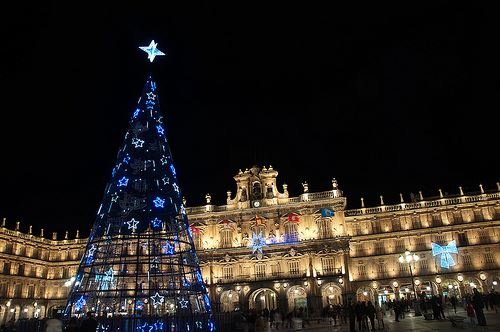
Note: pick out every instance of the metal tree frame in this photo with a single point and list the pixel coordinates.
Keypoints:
(140, 270)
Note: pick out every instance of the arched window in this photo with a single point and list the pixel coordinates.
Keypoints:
(256, 191)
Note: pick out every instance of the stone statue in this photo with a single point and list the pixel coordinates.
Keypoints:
(306, 186)
(208, 198)
(335, 185)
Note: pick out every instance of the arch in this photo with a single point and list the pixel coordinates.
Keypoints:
(470, 283)
(229, 300)
(364, 294)
(385, 293)
(451, 288)
(263, 298)
(331, 293)
(427, 287)
(297, 297)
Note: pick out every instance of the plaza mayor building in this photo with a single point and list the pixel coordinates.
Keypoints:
(265, 249)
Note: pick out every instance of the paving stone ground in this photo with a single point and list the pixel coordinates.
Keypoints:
(411, 323)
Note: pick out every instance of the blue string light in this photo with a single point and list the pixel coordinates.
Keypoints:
(123, 182)
(159, 203)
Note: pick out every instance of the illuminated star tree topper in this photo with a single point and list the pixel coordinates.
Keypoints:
(151, 50)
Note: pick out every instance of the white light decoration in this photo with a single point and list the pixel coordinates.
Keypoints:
(132, 224)
(151, 50)
(258, 242)
(184, 303)
(136, 142)
(445, 251)
(157, 299)
(150, 95)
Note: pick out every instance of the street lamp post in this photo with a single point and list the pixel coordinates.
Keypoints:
(409, 258)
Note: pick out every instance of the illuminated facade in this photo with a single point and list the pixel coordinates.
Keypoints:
(308, 259)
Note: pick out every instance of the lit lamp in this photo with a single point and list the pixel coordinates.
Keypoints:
(341, 281)
(438, 280)
(417, 282)
(395, 284)
(482, 276)
(410, 257)
(460, 278)
(374, 285)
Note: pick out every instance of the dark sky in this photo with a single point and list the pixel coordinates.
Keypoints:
(388, 99)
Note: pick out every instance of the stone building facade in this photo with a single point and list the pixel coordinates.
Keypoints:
(264, 249)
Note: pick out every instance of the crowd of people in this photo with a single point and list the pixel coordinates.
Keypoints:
(363, 315)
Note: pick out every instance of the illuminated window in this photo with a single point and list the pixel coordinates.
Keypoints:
(260, 270)
(226, 238)
(275, 269)
(325, 229)
(227, 272)
(328, 264)
(467, 261)
(291, 233)
(423, 265)
(488, 258)
(293, 267)
(362, 270)
(197, 240)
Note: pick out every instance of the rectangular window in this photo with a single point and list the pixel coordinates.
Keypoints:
(403, 267)
(17, 290)
(423, 265)
(6, 268)
(3, 290)
(467, 261)
(488, 258)
(400, 245)
(31, 291)
(462, 239)
(197, 240)
(478, 215)
(293, 267)
(381, 270)
(227, 272)
(260, 270)
(484, 237)
(291, 233)
(361, 270)
(328, 264)
(226, 238)
(275, 269)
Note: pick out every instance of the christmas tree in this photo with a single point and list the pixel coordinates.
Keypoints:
(140, 271)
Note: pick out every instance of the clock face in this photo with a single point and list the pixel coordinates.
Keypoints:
(256, 203)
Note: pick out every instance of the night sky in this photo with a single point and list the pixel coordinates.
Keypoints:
(388, 99)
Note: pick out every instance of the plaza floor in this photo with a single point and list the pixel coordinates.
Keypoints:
(411, 323)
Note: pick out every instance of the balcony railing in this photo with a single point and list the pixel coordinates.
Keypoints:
(428, 203)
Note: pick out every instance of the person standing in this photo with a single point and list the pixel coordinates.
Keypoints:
(453, 301)
(370, 312)
(397, 310)
(379, 312)
(90, 324)
(351, 311)
(471, 314)
(478, 304)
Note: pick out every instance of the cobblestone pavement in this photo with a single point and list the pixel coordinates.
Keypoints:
(411, 323)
